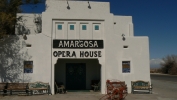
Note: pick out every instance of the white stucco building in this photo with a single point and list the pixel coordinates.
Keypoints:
(77, 42)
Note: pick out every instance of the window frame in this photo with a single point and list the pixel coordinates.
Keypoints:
(124, 70)
(125, 46)
(84, 27)
(60, 27)
(28, 66)
(97, 27)
(71, 28)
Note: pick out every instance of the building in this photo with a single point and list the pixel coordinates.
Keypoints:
(77, 42)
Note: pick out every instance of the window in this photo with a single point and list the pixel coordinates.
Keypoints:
(71, 27)
(96, 27)
(59, 27)
(28, 45)
(28, 66)
(84, 27)
(125, 46)
(125, 66)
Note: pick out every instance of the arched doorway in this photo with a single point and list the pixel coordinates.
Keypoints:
(77, 74)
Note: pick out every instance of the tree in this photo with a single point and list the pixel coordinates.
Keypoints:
(8, 11)
(12, 52)
(169, 65)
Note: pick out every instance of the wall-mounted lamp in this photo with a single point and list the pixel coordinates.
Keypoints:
(89, 5)
(123, 37)
(68, 7)
(25, 37)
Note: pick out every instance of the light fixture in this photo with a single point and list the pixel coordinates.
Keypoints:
(25, 37)
(68, 7)
(123, 37)
(89, 5)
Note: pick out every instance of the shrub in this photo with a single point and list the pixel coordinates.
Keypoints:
(169, 65)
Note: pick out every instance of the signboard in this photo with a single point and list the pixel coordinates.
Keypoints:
(78, 44)
(126, 66)
(28, 66)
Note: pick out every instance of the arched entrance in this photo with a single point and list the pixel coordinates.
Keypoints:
(77, 74)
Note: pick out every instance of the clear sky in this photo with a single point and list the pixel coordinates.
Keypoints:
(156, 19)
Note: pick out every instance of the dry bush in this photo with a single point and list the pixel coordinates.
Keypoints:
(169, 65)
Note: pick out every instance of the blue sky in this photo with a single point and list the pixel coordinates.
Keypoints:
(156, 19)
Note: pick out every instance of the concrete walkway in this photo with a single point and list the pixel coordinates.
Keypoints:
(83, 96)
(162, 90)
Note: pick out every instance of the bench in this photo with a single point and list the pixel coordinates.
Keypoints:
(116, 84)
(60, 88)
(39, 88)
(141, 86)
(17, 87)
(95, 84)
(3, 87)
(116, 90)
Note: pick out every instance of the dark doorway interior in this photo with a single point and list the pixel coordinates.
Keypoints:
(75, 76)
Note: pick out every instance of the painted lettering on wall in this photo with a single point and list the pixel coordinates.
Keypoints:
(81, 44)
(73, 54)
(90, 53)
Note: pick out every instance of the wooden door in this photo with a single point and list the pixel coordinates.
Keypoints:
(75, 76)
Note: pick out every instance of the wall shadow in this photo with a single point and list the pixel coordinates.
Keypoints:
(12, 56)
